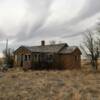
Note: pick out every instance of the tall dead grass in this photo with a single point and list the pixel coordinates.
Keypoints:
(82, 84)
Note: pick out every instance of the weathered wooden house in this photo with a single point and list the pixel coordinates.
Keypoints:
(55, 56)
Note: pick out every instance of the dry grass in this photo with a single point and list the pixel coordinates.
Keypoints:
(50, 85)
(1, 61)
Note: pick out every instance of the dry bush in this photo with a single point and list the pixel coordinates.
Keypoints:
(1, 61)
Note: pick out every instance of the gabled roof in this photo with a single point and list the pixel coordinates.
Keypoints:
(68, 50)
(47, 48)
(62, 48)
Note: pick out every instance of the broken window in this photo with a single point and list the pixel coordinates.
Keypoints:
(76, 58)
(36, 57)
(29, 57)
(25, 57)
(50, 58)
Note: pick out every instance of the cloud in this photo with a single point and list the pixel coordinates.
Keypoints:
(57, 24)
(33, 20)
(11, 14)
(90, 8)
(51, 19)
(35, 17)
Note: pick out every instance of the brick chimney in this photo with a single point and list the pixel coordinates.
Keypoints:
(42, 43)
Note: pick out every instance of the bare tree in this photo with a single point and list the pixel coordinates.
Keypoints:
(91, 49)
(8, 56)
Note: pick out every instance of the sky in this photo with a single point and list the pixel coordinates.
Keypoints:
(27, 22)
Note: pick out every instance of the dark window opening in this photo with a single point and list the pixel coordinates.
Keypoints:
(76, 58)
(25, 57)
(36, 57)
(29, 57)
(50, 58)
(39, 57)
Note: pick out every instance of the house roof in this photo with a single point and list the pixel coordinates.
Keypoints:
(62, 48)
(68, 50)
(47, 48)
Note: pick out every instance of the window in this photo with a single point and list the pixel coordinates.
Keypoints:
(39, 57)
(50, 58)
(76, 58)
(29, 57)
(16, 58)
(25, 57)
(35, 57)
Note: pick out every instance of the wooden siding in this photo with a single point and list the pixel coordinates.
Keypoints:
(71, 61)
(18, 54)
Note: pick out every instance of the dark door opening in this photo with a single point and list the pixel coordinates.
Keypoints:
(22, 60)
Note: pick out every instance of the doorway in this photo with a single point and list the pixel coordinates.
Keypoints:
(21, 60)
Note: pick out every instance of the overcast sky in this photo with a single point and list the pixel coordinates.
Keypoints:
(27, 22)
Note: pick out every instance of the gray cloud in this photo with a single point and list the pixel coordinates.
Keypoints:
(34, 22)
(30, 29)
(2, 35)
(90, 8)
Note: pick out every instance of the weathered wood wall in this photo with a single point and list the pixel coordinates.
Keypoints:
(71, 61)
(61, 61)
(23, 52)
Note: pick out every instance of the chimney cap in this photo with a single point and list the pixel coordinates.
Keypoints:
(42, 43)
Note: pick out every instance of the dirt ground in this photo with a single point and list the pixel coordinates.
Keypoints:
(82, 84)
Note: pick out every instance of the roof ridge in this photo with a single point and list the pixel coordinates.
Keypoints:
(48, 45)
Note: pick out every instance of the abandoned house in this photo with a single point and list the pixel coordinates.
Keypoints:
(54, 56)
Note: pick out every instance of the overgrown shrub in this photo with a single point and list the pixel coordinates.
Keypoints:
(8, 58)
